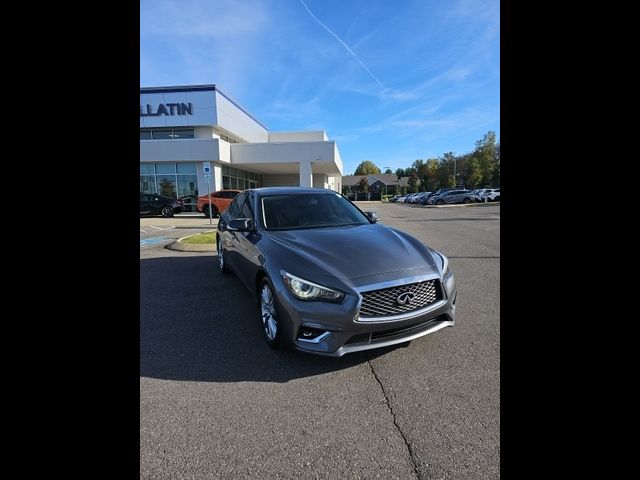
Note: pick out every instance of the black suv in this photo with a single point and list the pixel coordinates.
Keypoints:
(152, 204)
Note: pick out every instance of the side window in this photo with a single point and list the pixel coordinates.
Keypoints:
(234, 208)
(247, 210)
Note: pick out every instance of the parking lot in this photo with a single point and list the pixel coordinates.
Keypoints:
(217, 402)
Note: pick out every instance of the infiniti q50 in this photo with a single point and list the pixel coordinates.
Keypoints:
(328, 278)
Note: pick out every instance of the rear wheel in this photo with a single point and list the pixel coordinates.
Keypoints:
(439, 202)
(214, 212)
(497, 199)
(466, 200)
(167, 211)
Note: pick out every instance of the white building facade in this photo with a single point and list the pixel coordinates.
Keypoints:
(182, 128)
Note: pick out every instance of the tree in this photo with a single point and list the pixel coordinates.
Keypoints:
(363, 185)
(413, 181)
(400, 173)
(447, 166)
(487, 153)
(388, 171)
(431, 172)
(367, 167)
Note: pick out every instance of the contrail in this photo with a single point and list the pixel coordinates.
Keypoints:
(342, 43)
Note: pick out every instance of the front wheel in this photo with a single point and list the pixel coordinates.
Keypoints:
(222, 264)
(167, 211)
(440, 202)
(466, 200)
(269, 319)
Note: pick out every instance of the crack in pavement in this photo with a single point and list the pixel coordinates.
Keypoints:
(412, 456)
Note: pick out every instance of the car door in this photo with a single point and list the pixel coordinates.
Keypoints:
(247, 254)
(227, 237)
(144, 204)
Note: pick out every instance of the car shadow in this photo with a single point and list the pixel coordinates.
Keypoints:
(197, 324)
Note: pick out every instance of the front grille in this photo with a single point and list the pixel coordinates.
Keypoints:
(384, 302)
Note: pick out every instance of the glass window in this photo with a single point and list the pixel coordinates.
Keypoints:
(147, 169)
(187, 169)
(147, 184)
(226, 183)
(233, 172)
(283, 212)
(161, 134)
(234, 209)
(187, 185)
(167, 185)
(183, 133)
(247, 211)
(166, 168)
(225, 170)
(145, 134)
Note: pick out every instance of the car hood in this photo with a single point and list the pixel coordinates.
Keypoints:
(357, 252)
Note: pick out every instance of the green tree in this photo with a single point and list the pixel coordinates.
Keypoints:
(367, 167)
(413, 181)
(400, 173)
(487, 153)
(445, 173)
(431, 173)
(363, 184)
(388, 171)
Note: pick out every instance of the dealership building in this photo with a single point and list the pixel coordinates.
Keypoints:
(185, 129)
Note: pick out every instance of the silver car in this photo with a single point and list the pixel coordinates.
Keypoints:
(328, 278)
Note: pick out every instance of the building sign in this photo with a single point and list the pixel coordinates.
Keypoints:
(166, 109)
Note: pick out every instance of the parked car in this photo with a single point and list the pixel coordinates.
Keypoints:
(410, 197)
(220, 201)
(394, 199)
(328, 278)
(422, 198)
(492, 195)
(452, 196)
(153, 204)
(477, 194)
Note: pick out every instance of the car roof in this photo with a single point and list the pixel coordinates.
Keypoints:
(265, 191)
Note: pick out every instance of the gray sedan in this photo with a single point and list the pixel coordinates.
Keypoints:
(328, 278)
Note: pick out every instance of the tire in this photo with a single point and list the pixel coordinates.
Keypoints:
(222, 264)
(167, 211)
(497, 199)
(270, 323)
(466, 200)
(205, 210)
(439, 202)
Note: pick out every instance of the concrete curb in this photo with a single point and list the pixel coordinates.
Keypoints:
(178, 246)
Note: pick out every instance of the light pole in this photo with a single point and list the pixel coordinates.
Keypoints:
(455, 178)
(385, 183)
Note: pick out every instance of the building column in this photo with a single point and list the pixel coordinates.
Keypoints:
(217, 176)
(306, 174)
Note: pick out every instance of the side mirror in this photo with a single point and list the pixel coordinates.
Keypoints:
(241, 225)
(372, 216)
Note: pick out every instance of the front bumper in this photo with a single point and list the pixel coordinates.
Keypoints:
(343, 332)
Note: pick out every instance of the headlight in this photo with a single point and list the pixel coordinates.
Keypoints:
(445, 263)
(306, 290)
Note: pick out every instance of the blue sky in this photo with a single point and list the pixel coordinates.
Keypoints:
(390, 80)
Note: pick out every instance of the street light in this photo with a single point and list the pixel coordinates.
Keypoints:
(385, 183)
(455, 177)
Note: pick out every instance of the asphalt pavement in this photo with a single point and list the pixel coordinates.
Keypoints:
(217, 402)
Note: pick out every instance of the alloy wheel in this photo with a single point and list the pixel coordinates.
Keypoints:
(269, 315)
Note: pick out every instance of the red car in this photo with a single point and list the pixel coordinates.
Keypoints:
(220, 201)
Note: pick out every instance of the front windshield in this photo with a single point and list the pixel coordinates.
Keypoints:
(309, 210)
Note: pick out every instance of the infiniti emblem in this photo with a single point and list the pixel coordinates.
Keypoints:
(405, 298)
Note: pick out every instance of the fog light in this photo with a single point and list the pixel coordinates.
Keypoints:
(310, 334)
